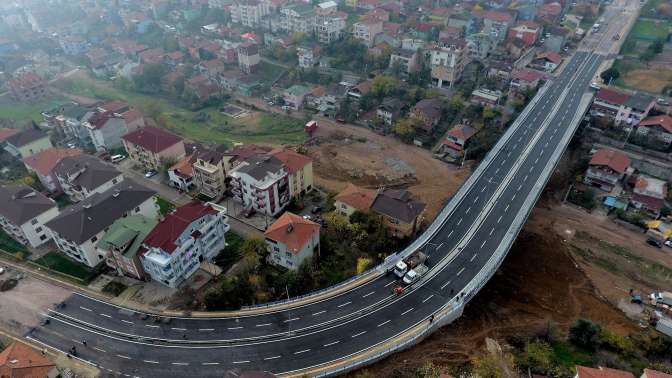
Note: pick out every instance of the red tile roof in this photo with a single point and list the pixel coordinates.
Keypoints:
(165, 233)
(294, 161)
(292, 230)
(26, 80)
(21, 361)
(45, 161)
(152, 138)
(656, 374)
(498, 16)
(452, 145)
(663, 121)
(6, 133)
(526, 75)
(611, 96)
(462, 132)
(551, 56)
(616, 160)
(601, 372)
(359, 198)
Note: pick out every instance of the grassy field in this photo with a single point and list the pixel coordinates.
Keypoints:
(12, 246)
(56, 261)
(639, 76)
(165, 206)
(650, 30)
(25, 112)
(255, 127)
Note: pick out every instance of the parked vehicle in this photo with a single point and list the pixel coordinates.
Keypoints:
(663, 101)
(663, 297)
(117, 158)
(594, 85)
(654, 242)
(414, 259)
(668, 243)
(151, 173)
(415, 274)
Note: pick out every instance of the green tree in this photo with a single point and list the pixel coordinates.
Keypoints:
(536, 356)
(585, 334)
(383, 85)
(405, 128)
(152, 108)
(610, 75)
(253, 251)
(149, 81)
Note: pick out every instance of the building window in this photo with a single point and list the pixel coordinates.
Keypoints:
(276, 249)
(43, 237)
(94, 239)
(38, 229)
(34, 221)
(288, 254)
(114, 181)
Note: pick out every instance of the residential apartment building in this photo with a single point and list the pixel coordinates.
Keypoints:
(448, 61)
(526, 31)
(24, 212)
(20, 360)
(406, 60)
(248, 57)
(497, 24)
(79, 227)
(81, 176)
(606, 169)
(402, 214)
(658, 128)
(105, 128)
(388, 111)
(353, 198)
(300, 170)
(291, 240)
(367, 30)
(330, 27)
(181, 174)
(295, 95)
(67, 121)
(249, 12)
(27, 87)
(43, 164)
(479, 45)
(428, 111)
(210, 173)
(297, 18)
(189, 235)
(261, 183)
(151, 147)
(27, 142)
(121, 243)
(309, 57)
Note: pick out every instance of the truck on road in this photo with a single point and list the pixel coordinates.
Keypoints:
(414, 259)
(414, 274)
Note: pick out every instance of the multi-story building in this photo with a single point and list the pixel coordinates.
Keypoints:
(121, 243)
(297, 18)
(79, 227)
(27, 87)
(456, 141)
(291, 240)
(658, 128)
(354, 198)
(24, 212)
(649, 194)
(67, 121)
(210, 173)
(27, 142)
(330, 27)
(406, 60)
(607, 103)
(300, 169)
(248, 57)
(448, 61)
(43, 164)
(526, 31)
(497, 24)
(181, 174)
(261, 183)
(189, 235)
(73, 45)
(81, 176)
(367, 30)
(309, 57)
(479, 45)
(388, 111)
(295, 95)
(402, 214)
(249, 12)
(152, 147)
(105, 129)
(635, 109)
(606, 169)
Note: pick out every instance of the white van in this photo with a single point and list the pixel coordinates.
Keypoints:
(117, 158)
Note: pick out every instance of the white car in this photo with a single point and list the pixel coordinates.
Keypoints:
(668, 243)
(2, 270)
(594, 85)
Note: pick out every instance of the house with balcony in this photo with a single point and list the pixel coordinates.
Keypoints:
(496, 24)
(606, 169)
(607, 103)
(181, 174)
(27, 87)
(428, 111)
(456, 140)
(81, 176)
(209, 169)
(27, 142)
(249, 12)
(406, 60)
(297, 18)
(658, 128)
(547, 61)
(291, 240)
(525, 79)
(66, 120)
(150, 147)
(248, 57)
(526, 31)
(389, 110)
(261, 183)
(106, 127)
(635, 109)
(24, 213)
(329, 27)
(299, 168)
(189, 235)
(367, 30)
(401, 213)
(649, 194)
(78, 228)
(294, 96)
(354, 198)
(121, 243)
(447, 62)
(43, 164)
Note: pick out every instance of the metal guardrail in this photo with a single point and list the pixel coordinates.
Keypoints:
(438, 221)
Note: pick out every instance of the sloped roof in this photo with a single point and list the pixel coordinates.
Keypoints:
(44, 162)
(601, 372)
(294, 161)
(663, 121)
(429, 107)
(95, 172)
(20, 360)
(82, 221)
(656, 374)
(165, 233)
(611, 96)
(129, 231)
(21, 203)
(551, 56)
(639, 101)
(6, 133)
(258, 166)
(185, 165)
(650, 187)
(359, 198)
(25, 137)
(462, 132)
(398, 204)
(498, 16)
(526, 75)
(292, 230)
(616, 160)
(152, 138)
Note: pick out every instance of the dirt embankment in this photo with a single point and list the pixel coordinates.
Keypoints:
(539, 282)
(343, 154)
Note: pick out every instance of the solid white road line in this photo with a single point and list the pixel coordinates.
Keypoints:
(330, 344)
(407, 311)
(105, 315)
(272, 358)
(263, 325)
(383, 323)
(323, 311)
(85, 309)
(358, 334)
(428, 298)
(343, 304)
(302, 351)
